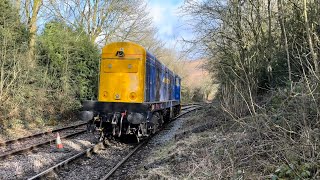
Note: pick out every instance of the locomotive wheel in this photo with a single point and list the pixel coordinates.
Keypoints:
(166, 115)
(155, 120)
(91, 127)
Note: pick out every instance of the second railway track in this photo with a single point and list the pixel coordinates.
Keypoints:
(24, 157)
(26, 164)
(27, 143)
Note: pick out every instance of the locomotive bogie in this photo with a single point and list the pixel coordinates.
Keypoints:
(136, 118)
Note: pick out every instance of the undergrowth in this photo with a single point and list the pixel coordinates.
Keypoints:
(280, 142)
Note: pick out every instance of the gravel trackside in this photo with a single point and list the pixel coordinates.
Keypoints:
(140, 160)
(97, 165)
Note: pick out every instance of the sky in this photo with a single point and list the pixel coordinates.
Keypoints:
(167, 19)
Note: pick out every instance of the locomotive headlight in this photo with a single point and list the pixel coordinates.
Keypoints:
(133, 95)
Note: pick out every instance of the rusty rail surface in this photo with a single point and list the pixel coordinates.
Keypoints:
(40, 134)
(30, 147)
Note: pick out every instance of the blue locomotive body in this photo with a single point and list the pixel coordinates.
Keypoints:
(161, 83)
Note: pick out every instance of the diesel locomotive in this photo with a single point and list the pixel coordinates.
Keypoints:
(137, 93)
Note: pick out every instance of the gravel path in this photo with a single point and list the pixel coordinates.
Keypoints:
(27, 164)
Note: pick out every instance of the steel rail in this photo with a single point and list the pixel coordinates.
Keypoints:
(189, 106)
(7, 154)
(40, 134)
(61, 129)
(60, 164)
(116, 167)
(91, 149)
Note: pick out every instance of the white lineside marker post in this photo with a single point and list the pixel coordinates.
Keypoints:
(58, 142)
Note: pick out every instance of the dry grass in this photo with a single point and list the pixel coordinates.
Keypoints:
(246, 148)
(208, 154)
(31, 109)
(200, 156)
(209, 115)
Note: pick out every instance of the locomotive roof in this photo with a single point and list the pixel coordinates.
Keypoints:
(163, 65)
(147, 54)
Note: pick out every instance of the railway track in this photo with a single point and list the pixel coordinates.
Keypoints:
(190, 106)
(25, 144)
(115, 168)
(96, 147)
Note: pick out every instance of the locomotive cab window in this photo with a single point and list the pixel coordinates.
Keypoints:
(177, 82)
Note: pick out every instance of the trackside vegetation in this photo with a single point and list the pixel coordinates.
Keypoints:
(265, 55)
(64, 74)
(50, 53)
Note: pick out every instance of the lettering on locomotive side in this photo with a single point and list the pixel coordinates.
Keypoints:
(166, 80)
(156, 106)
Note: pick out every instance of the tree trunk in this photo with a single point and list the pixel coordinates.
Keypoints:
(313, 54)
(17, 4)
(270, 50)
(284, 35)
(32, 22)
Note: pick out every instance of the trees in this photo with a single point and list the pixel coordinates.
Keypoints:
(32, 17)
(30, 10)
(104, 20)
(70, 59)
(13, 39)
(14, 44)
(49, 55)
(254, 45)
(265, 55)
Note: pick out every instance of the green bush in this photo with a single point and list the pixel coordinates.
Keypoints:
(70, 60)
